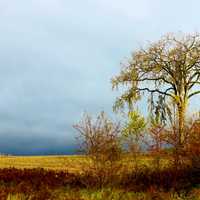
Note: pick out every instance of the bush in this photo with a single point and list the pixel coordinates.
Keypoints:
(193, 144)
(100, 141)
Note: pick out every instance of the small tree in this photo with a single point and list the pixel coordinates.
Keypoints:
(133, 130)
(168, 69)
(100, 141)
(133, 133)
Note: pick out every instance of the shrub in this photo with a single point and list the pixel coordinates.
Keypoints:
(193, 144)
(100, 141)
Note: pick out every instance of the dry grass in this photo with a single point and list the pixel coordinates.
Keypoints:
(54, 183)
(69, 163)
(72, 163)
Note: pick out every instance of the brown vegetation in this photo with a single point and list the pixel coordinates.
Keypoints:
(99, 140)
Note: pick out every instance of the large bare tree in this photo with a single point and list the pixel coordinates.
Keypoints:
(168, 69)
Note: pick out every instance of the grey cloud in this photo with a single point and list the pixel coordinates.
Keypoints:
(57, 58)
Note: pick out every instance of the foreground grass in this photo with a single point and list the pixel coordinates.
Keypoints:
(110, 194)
(52, 182)
(40, 184)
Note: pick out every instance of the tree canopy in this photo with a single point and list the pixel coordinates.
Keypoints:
(168, 70)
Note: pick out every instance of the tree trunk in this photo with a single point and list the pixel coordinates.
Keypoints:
(180, 137)
(181, 123)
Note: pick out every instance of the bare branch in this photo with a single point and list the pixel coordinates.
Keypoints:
(193, 94)
(157, 91)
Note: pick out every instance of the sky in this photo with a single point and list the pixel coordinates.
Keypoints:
(57, 58)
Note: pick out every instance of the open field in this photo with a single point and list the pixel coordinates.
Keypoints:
(69, 163)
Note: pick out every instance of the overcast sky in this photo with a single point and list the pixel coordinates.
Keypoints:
(57, 58)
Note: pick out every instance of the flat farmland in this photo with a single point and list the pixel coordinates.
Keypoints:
(70, 163)
(64, 163)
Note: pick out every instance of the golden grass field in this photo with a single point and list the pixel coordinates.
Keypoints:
(69, 163)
